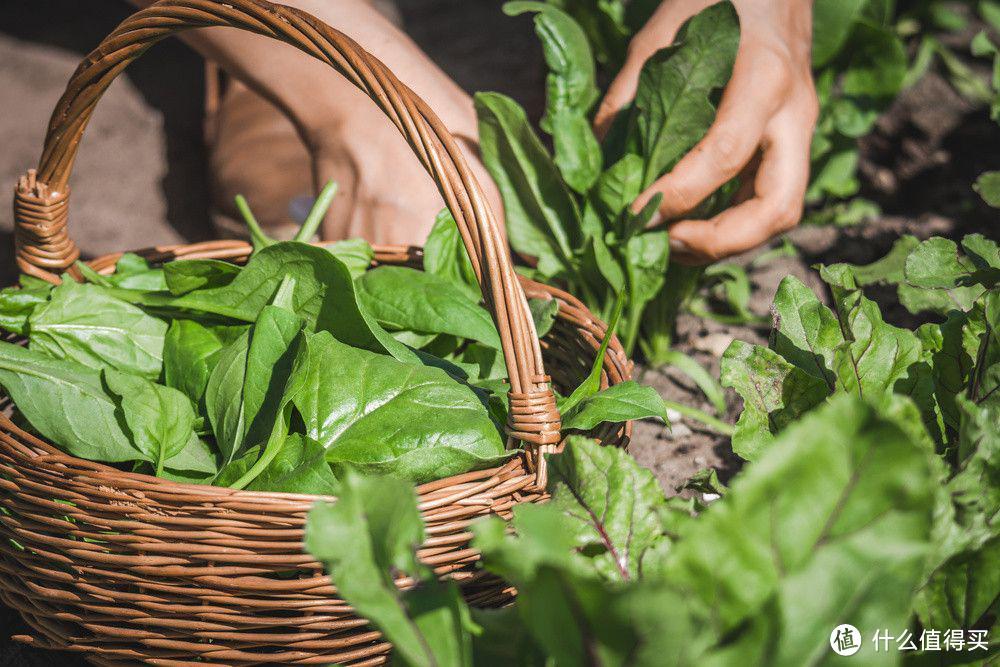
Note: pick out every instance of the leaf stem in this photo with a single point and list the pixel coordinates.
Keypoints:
(317, 213)
(257, 236)
(275, 442)
(697, 415)
(634, 319)
(592, 383)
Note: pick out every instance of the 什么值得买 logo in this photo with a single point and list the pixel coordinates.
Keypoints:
(845, 639)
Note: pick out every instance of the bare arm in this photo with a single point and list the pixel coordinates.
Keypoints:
(327, 110)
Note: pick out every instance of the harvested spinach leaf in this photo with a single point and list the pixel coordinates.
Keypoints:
(83, 323)
(300, 467)
(356, 254)
(188, 275)
(17, 305)
(543, 314)
(224, 398)
(190, 351)
(324, 296)
(159, 420)
(445, 256)
(131, 272)
(426, 425)
(134, 272)
(66, 403)
(245, 392)
(403, 299)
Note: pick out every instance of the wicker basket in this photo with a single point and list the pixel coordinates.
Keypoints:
(128, 568)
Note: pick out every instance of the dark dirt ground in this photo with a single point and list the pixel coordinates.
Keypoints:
(141, 180)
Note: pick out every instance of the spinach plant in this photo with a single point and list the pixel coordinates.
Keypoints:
(832, 526)
(571, 212)
(816, 352)
(940, 382)
(860, 64)
(279, 374)
(870, 498)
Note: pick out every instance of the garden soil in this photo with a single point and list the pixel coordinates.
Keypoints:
(140, 180)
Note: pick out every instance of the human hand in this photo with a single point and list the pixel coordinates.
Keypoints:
(762, 131)
(385, 196)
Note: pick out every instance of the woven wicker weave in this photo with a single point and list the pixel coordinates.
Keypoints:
(128, 568)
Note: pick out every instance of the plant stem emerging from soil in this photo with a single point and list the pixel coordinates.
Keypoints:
(717, 425)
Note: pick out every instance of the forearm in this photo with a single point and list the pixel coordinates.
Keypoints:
(307, 90)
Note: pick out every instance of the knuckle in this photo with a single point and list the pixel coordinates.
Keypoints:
(810, 109)
(714, 247)
(776, 59)
(712, 251)
(725, 149)
(677, 198)
(787, 216)
(806, 99)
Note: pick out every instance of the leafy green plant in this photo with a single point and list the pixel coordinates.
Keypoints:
(816, 352)
(940, 382)
(860, 64)
(277, 374)
(870, 499)
(570, 212)
(835, 524)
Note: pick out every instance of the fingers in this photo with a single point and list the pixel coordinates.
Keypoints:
(620, 93)
(779, 188)
(756, 91)
(658, 33)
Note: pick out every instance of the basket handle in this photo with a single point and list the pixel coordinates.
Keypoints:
(44, 248)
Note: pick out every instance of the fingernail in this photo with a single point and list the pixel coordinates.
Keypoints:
(655, 221)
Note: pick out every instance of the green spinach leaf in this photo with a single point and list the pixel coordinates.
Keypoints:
(368, 535)
(17, 305)
(159, 420)
(570, 92)
(618, 403)
(425, 424)
(543, 219)
(404, 299)
(300, 467)
(187, 275)
(673, 107)
(83, 323)
(356, 254)
(445, 256)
